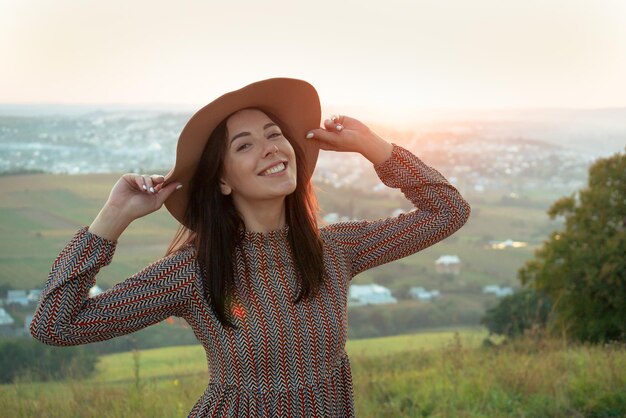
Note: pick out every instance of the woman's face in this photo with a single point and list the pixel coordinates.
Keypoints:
(256, 144)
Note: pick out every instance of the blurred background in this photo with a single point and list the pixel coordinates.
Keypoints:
(521, 105)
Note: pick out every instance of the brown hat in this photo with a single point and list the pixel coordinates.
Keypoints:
(295, 102)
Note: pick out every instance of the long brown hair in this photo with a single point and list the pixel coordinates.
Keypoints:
(214, 222)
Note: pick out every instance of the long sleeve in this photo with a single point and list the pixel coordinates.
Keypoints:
(440, 210)
(66, 315)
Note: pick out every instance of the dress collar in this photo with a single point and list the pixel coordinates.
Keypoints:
(252, 236)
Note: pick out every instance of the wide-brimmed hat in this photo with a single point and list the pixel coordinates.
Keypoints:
(294, 102)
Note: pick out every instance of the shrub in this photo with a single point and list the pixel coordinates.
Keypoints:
(21, 357)
(523, 310)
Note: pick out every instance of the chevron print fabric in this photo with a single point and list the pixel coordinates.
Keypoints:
(285, 360)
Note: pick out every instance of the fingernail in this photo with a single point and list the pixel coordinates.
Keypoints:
(309, 135)
(151, 189)
(339, 127)
(144, 187)
(180, 186)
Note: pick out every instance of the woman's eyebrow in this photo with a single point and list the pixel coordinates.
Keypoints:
(240, 134)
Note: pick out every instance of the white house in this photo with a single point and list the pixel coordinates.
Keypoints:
(492, 288)
(17, 297)
(369, 294)
(27, 320)
(508, 243)
(422, 294)
(94, 291)
(34, 295)
(504, 291)
(334, 217)
(6, 324)
(498, 291)
(5, 318)
(448, 264)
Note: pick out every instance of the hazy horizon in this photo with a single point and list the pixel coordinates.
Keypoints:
(424, 54)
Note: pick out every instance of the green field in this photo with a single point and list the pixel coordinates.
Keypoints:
(436, 374)
(39, 214)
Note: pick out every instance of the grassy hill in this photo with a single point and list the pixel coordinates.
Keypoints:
(40, 213)
(435, 374)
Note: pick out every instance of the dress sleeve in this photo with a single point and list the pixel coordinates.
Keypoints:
(66, 315)
(440, 210)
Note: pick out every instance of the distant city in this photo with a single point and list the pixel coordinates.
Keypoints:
(529, 150)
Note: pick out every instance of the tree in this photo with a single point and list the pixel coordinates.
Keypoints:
(583, 268)
(518, 312)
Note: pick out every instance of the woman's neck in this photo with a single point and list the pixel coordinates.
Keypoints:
(263, 216)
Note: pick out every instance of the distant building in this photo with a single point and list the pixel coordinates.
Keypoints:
(369, 294)
(508, 243)
(492, 288)
(334, 217)
(498, 291)
(34, 295)
(17, 297)
(94, 291)
(5, 318)
(6, 323)
(448, 264)
(27, 320)
(422, 294)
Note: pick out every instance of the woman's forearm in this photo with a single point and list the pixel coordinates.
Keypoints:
(377, 150)
(109, 223)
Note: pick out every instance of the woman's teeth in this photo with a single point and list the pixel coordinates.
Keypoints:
(276, 169)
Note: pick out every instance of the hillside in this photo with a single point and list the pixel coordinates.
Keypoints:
(439, 374)
(40, 213)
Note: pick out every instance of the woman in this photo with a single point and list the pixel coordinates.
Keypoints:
(263, 288)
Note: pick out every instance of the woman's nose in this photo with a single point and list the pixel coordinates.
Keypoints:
(272, 149)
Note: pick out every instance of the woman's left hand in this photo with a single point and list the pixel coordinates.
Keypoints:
(345, 134)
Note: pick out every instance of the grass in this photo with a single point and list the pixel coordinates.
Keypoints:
(40, 213)
(191, 359)
(532, 378)
(435, 374)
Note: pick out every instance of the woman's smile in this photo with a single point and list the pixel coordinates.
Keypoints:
(275, 170)
(257, 148)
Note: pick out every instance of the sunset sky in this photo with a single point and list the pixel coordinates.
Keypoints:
(391, 55)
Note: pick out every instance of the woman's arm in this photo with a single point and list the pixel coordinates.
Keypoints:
(440, 210)
(66, 315)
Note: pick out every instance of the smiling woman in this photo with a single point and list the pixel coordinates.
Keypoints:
(259, 195)
(263, 287)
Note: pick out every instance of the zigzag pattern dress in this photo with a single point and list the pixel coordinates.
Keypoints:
(286, 360)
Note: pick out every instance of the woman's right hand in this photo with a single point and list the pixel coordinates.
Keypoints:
(135, 195)
(128, 201)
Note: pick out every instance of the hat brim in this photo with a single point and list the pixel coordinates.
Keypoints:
(295, 102)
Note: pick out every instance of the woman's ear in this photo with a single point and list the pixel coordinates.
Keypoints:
(225, 188)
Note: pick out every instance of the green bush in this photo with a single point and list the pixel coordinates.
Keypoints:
(407, 317)
(21, 357)
(518, 312)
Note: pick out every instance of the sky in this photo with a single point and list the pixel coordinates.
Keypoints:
(390, 55)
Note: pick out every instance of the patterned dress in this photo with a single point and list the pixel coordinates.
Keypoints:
(285, 360)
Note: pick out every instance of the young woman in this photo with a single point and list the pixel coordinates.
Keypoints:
(263, 288)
